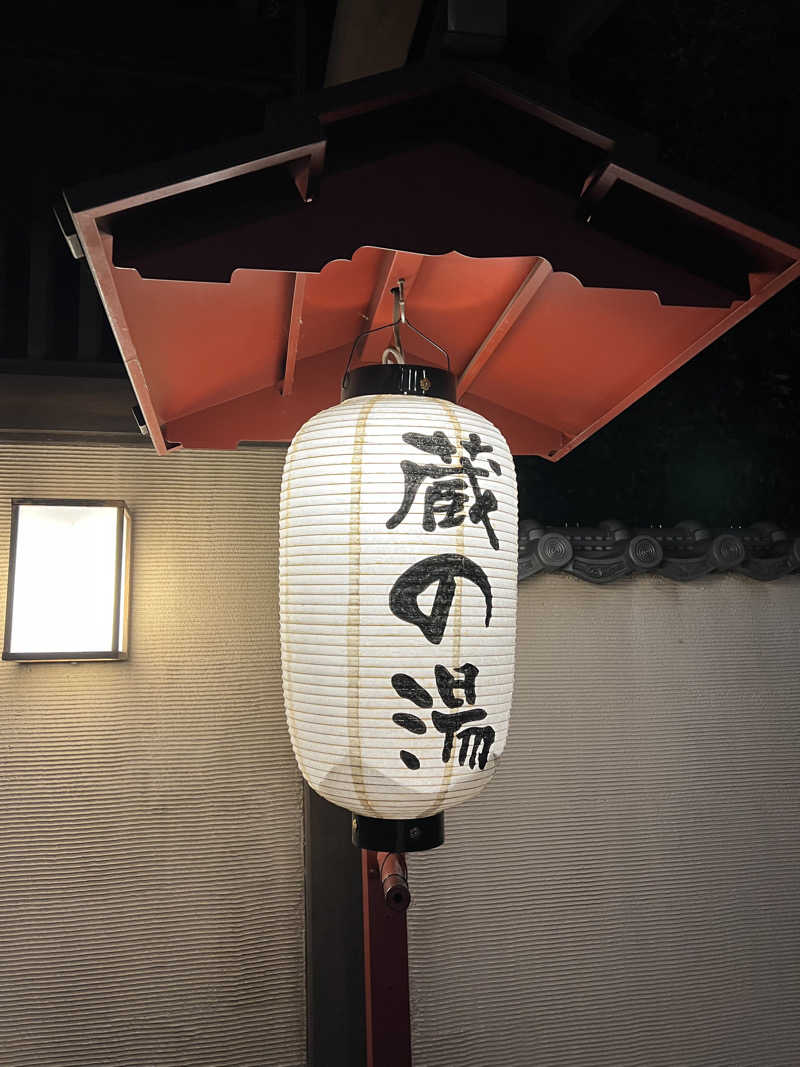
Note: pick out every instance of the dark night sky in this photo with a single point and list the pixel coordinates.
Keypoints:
(714, 82)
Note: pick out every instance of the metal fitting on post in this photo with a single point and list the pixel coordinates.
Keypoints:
(393, 874)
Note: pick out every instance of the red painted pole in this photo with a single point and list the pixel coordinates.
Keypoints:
(388, 1015)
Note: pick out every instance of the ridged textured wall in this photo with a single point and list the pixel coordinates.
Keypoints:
(151, 872)
(627, 891)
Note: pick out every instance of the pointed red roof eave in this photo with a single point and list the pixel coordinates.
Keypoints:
(553, 353)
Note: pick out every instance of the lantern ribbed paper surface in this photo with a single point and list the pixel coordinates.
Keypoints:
(398, 576)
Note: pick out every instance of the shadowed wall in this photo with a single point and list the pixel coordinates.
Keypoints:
(151, 877)
(627, 892)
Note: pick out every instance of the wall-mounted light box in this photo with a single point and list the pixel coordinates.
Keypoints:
(68, 580)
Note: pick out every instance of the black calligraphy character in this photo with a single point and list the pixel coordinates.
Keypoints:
(444, 569)
(476, 741)
(446, 498)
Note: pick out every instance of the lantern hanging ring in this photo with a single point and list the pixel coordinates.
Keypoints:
(395, 352)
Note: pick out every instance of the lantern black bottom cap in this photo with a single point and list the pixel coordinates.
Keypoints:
(398, 835)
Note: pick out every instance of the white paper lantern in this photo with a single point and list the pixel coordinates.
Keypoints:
(398, 592)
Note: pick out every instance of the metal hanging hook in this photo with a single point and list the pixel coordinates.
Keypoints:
(398, 292)
(395, 352)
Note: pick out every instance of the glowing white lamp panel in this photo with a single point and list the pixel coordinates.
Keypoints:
(68, 581)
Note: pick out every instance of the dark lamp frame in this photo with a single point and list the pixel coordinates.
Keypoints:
(122, 574)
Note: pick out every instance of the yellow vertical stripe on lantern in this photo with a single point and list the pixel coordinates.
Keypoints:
(354, 613)
(447, 768)
(284, 592)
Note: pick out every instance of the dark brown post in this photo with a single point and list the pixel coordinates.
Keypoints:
(388, 1015)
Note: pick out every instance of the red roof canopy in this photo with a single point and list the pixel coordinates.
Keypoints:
(236, 282)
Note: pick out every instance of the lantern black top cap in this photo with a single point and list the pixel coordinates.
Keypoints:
(399, 379)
